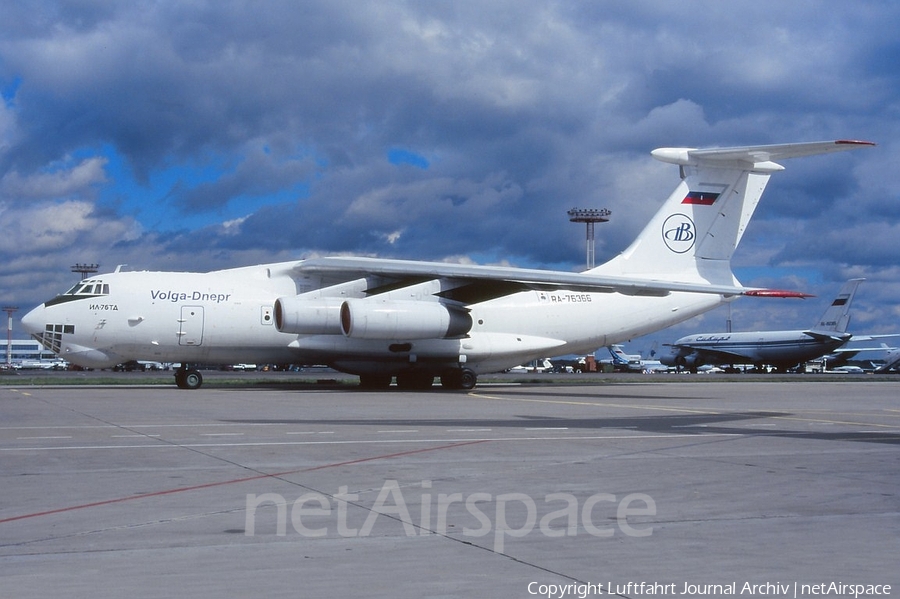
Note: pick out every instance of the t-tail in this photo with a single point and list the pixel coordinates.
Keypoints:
(693, 236)
(837, 316)
(618, 355)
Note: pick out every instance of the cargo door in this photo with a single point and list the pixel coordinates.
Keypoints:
(190, 331)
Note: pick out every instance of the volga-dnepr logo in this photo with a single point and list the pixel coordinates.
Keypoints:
(678, 233)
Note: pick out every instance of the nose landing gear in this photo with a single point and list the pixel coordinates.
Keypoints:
(463, 378)
(188, 378)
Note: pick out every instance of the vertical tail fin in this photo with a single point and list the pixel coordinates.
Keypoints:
(618, 355)
(693, 236)
(837, 316)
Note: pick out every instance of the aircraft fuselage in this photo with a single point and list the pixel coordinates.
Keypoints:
(780, 348)
(228, 317)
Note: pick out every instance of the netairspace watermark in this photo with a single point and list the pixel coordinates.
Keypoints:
(582, 590)
(489, 514)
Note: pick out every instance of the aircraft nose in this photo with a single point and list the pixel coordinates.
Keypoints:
(33, 322)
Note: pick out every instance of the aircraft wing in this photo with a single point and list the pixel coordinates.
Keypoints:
(486, 282)
(871, 337)
(852, 351)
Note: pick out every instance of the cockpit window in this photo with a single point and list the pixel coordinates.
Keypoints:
(89, 288)
(82, 290)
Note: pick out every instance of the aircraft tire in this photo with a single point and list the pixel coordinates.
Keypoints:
(468, 378)
(188, 379)
(192, 379)
(464, 378)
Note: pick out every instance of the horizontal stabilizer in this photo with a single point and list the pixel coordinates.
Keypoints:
(777, 293)
(828, 335)
(763, 157)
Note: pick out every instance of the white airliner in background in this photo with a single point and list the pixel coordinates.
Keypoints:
(781, 349)
(891, 361)
(633, 362)
(419, 320)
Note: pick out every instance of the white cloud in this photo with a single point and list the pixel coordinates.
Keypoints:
(59, 227)
(59, 181)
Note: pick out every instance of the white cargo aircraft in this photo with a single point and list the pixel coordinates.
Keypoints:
(781, 349)
(891, 361)
(416, 321)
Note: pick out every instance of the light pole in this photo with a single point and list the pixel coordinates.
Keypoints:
(85, 269)
(9, 321)
(589, 216)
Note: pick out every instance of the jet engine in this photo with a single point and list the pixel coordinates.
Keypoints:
(321, 316)
(691, 360)
(402, 320)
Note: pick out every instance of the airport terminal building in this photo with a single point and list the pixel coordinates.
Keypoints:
(28, 352)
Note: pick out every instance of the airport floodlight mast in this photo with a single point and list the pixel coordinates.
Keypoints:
(589, 216)
(85, 269)
(9, 313)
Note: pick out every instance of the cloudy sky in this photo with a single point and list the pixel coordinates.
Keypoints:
(202, 135)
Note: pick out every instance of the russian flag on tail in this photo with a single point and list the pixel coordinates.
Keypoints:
(702, 198)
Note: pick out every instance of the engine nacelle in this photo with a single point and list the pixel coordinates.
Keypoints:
(321, 316)
(402, 320)
(691, 360)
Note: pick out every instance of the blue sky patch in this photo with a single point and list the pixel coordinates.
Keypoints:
(398, 156)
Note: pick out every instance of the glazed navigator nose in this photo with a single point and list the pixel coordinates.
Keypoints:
(33, 322)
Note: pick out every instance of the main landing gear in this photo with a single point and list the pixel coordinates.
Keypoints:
(421, 380)
(188, 378)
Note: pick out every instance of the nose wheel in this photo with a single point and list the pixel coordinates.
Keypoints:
(464, 378)
(188, 378)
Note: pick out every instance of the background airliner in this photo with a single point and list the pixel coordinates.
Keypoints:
(891, 362)
(781, 349)
(633, 362)
(415, 320)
